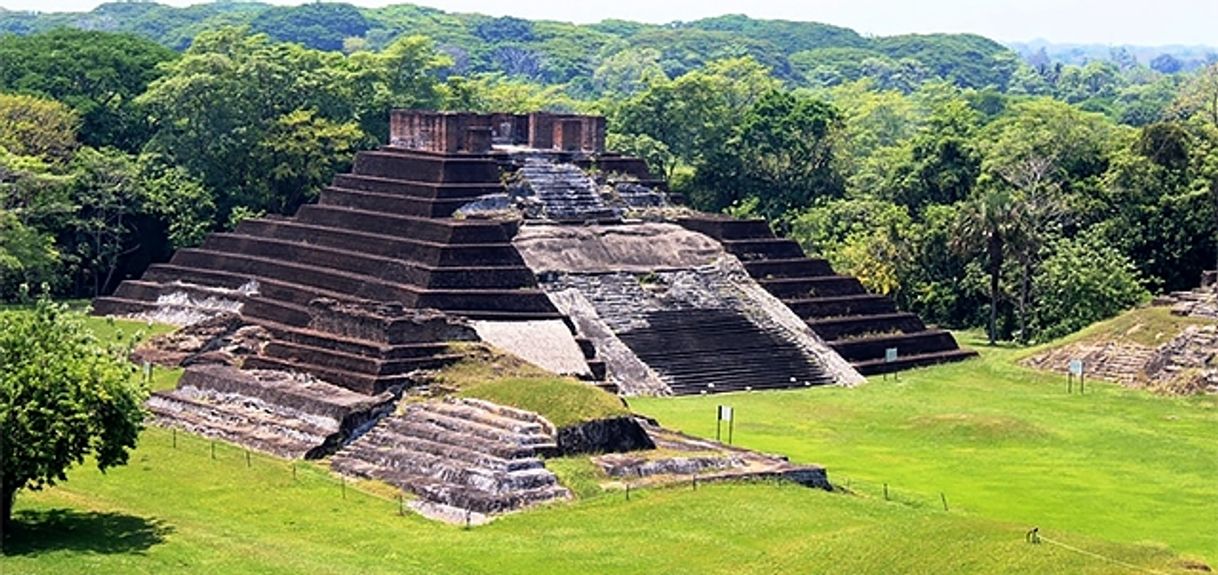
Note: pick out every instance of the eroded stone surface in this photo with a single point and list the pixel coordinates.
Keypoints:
(459, 453)
(285, 414)
(682, 458)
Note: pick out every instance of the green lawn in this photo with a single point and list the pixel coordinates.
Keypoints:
(179, 511)
(1125, 477)
(999, 441)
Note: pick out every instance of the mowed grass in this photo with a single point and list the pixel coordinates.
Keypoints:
(999, 441)
(177, 510)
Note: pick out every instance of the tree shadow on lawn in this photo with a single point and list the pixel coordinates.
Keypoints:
(38, 532)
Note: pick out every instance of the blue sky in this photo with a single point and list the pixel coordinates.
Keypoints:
(1145, 22)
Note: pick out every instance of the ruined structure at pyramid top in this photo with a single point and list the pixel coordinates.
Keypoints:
(471, 133)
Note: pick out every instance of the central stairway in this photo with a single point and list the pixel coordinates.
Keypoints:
(710, 350)
(466, 454)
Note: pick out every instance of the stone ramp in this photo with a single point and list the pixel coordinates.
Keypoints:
(859, 325)
(459, 453)
(282, 414)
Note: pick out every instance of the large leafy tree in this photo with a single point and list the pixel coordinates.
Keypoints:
(97, 74)
(37, 127)
(63, 396)
(218, 108)
(781, 153)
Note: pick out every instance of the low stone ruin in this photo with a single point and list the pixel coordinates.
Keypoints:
(682, 458)
(284, 414)
(457, 455)
(1201, 302)
(1183, 364)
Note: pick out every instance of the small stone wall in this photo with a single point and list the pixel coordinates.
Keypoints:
(457, 132)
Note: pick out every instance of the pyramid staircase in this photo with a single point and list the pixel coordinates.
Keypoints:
(462, 453)
(859, 325)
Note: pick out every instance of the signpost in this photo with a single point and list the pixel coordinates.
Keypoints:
(890, 356)
(725, 414)
(1076, 370)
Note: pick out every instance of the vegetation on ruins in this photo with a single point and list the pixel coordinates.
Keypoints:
(871, 152)
(63, 397)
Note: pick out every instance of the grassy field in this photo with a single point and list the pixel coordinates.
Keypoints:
(999, 441)
(179, 511)
(1121, 478)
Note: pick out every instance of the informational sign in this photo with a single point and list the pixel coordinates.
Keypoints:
(726, 413)
(1076, 367)
(147, 372)
(890, 355)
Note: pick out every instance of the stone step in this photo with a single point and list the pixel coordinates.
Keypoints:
(422, 435)
(855, 326)
(399, 204)
(800, 267)
(388, 456)
(416, 189)
(840, 307)
(446, 231)
(474, 412)
(484, 431)
(871, 348)
(811, 287)
(353, 260)
(413, 166)
(879, 366)
(424, 252)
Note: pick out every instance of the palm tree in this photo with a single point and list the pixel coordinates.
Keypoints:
(985, 226)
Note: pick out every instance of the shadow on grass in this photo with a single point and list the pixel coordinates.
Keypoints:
(37, 532)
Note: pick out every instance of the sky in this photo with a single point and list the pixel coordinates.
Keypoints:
(1141, 22)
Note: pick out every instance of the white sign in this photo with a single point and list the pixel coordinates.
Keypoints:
(1076, 367)
(890, 355)
(725, 413)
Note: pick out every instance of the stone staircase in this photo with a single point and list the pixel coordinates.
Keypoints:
(693, 330)
(466, 454)
(710, 350)
(565, 191)
(272, 412)
(859, 325)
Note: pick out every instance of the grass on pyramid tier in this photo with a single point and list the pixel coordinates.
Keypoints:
(1149, 326)
(488, 374)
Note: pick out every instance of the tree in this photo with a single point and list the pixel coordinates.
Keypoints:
(31, 126)
(1085, 281)
(27, 256)
(782, 152)
(63, 396)
(323, 26)
(97, 74)
(984, 227)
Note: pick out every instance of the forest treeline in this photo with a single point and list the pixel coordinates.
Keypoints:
(972, 186)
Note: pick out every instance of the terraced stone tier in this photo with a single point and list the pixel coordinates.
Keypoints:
(278, 413)
(460, 453)
(376, 235)
(858, 325)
